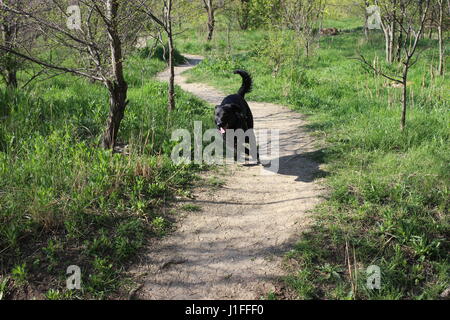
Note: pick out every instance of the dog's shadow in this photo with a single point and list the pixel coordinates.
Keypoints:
(305, 166)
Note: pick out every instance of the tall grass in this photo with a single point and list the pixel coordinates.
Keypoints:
(65, 201)
(388, 190)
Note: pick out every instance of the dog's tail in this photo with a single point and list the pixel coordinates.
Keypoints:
(247, 82)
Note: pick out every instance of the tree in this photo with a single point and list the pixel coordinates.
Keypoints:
(366, 19)
(165, 23)
(93, 48)
(8, 29)
(388, 25)
(440, 24)
(12, 31)
(304, 17)
(438, 20)
(211, 6)
(412, 26)
(243, 18)
(239, 10)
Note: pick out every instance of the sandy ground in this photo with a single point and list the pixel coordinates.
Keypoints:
(233, 247)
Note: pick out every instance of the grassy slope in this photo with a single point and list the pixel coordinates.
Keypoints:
(388, 201)
(64, 201)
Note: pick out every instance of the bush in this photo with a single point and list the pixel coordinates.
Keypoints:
(161, 53)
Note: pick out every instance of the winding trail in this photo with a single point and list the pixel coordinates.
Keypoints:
(233, 247)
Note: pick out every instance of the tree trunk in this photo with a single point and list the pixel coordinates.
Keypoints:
(404, 96)
(399, 46)
(441, 42)
(117, 87)
(387, 34)
(211, 20)
(420, 10)
(117, 103)
(11, 78)
(366, 20)
(400, 36)
(430, 35)
(366, 28)
(9, 32)
(391, 42)
(171, 92)
(387, 43)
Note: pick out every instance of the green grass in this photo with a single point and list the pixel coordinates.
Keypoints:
(191, 207)
(388, 190)
(65, 201)
(345, 24)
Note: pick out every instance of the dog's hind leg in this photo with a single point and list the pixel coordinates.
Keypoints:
(251, 141)
(248, 153)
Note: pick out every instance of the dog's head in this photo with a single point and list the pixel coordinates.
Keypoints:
(228, 116)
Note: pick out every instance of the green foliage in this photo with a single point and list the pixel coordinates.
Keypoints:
(159, 224)
(161, 53)
(3, 287)
(19, 274)
(191, 207)
(52, 294)
(263, 13)
(65, 201)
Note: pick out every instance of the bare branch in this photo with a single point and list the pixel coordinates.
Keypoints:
(48, 65)
(377, 71)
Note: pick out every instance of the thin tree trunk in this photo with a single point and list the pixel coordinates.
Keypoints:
(400, 36)
(9, 31)
(211, 19)
(171, 58)
(386, 31)
(441, 42)
(387, 43)
(366, 20)
(430, 35)
(421, 11)
(391, 42)
(404, 96)
(11, 78)
(118, 86)
(211, 23)
(118, 103)
(407, 63)
(366, 27)
(391, 36)
(399, 46)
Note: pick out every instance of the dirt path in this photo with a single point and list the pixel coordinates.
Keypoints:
(233, 247)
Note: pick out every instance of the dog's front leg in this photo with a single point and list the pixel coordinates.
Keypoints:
(249, 140)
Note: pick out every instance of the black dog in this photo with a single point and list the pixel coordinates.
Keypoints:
(234, 113)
